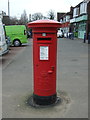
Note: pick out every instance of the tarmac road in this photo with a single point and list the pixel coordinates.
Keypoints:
(8, 58)
(72, 83)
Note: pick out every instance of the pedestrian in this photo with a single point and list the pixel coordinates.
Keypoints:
(67, 34)
(72, 35)
(84, 38)
(89, 38)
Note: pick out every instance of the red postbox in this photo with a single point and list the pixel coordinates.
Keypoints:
(44, 60)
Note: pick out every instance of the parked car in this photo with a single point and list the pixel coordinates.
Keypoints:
(17, 34)
(3, 45)
(66, 35)
(60, 34)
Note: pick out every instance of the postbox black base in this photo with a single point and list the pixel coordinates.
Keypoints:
(44, 100)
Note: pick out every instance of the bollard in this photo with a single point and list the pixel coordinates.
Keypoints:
(44, 60)
(84, 38)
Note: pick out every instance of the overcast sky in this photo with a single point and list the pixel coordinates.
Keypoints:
(33, 6)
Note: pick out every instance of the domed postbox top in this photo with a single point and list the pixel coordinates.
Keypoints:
(44, 23)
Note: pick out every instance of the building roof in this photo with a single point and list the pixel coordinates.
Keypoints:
(68, 13)
(86, 0)
(82, 2)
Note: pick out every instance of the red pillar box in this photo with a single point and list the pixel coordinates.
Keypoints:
(44, 60)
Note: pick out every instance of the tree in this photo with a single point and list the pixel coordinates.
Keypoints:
(13, 20)
(51, 15)
(37, 16)
(24, 18)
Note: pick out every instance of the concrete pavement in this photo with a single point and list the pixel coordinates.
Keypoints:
(72, 83)
(73, 75)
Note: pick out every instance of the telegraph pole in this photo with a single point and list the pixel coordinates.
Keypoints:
(8, 8)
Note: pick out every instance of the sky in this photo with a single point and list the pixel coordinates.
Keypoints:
(33, 6)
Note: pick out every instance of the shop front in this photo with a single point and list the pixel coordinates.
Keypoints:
(81, 29)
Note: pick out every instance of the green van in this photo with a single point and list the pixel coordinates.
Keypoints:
(17, 34)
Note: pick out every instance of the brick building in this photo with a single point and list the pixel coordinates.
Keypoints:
(88, 21)
(59, 15)
(77, 20)
(81, 19)
(64, 19)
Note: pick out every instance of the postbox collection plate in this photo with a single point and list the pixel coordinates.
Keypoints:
(44, 52)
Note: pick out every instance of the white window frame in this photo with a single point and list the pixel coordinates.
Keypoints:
(83, 8)
(76, 12)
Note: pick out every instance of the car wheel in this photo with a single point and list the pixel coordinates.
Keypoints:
(17, 43)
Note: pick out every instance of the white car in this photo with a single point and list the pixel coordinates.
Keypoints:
(3, 45)
(65, 35)
(60, 34)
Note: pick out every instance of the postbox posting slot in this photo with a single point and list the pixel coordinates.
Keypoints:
(43, 38)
